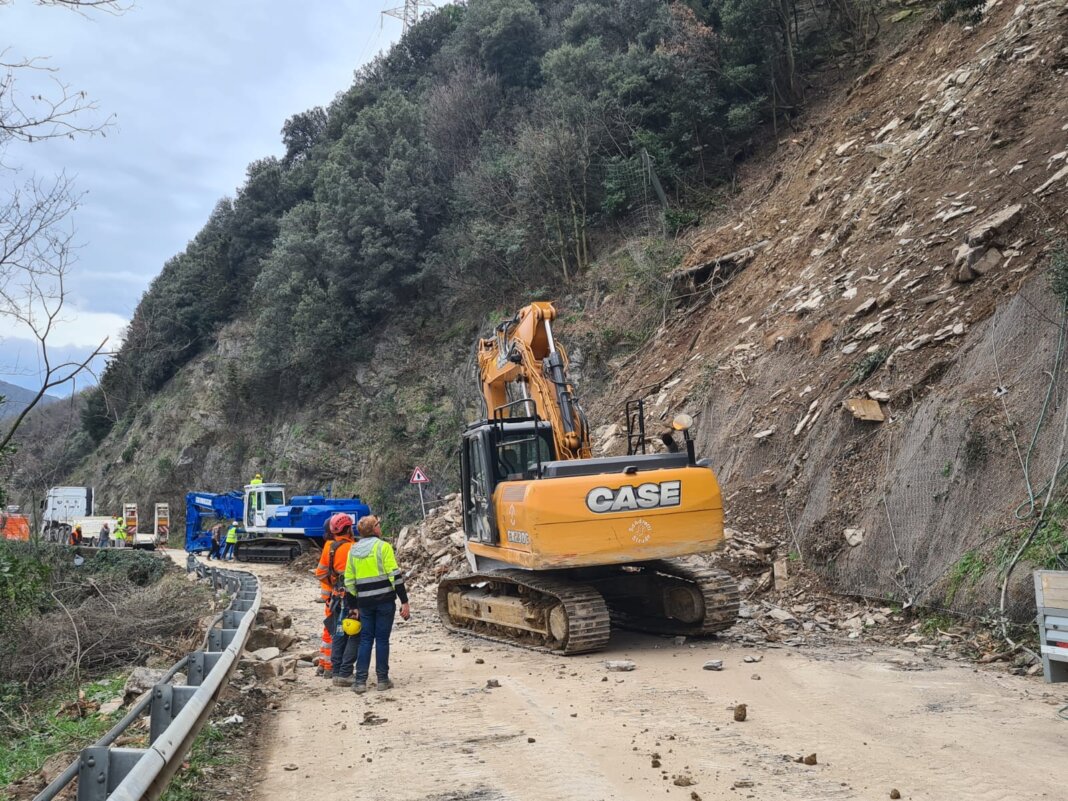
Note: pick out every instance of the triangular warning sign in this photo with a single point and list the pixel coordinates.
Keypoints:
(419, 477)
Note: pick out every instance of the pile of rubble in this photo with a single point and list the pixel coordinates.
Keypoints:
(435, 547)
(784, 604)
(269, 650)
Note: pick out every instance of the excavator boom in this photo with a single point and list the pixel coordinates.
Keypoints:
(523, 368)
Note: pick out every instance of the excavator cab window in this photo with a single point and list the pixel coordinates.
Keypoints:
(520, 455)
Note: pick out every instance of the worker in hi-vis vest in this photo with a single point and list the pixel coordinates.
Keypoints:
(373, 583)
(231, 542)
(118, 534)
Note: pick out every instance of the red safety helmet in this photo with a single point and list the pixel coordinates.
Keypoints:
(340, 522)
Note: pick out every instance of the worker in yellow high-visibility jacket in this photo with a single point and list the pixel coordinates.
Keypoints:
(373, 583)
(231, 542)
(118, 534)
(256, 480)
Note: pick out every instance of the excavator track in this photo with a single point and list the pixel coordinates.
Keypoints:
(268, 550)
(533, 610)
(679, 598)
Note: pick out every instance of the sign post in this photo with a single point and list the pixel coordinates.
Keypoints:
(419, 478)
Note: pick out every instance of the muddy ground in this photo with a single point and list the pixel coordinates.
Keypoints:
(876, 719)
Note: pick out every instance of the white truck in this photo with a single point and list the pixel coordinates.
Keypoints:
(61, 507)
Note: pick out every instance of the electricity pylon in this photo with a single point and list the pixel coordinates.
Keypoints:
(409, 13)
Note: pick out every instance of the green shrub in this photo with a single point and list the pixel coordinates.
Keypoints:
(968, 11)
(867, 366)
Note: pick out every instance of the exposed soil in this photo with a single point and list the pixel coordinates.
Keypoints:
(876, 718)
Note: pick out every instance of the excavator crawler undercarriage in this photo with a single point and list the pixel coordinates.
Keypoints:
(568, 614)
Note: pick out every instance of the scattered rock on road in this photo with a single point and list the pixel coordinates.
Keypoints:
(713, 664)
(620, 665)
(895, 793)
(740, 712)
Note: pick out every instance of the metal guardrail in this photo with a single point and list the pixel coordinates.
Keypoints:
(176, 712)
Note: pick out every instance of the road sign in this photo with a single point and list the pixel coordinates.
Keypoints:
(419, 479)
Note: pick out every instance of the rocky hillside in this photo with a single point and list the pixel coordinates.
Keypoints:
(866, 333)
(870, 338)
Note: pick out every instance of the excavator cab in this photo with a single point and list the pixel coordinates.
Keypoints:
(261, 500)
(502, 450)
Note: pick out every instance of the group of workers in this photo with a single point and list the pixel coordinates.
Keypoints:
(360, 584)
(220, 548)
(107, 537)
(223, 546)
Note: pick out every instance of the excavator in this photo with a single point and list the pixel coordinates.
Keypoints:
(562, 545)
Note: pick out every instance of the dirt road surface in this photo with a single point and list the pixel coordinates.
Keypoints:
(566, 728)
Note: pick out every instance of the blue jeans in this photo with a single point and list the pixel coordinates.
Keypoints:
(377, 622)
(228, 550)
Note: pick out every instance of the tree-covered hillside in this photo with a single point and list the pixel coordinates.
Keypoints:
(486, 151)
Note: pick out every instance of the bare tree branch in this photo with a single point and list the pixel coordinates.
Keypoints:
(35, 242)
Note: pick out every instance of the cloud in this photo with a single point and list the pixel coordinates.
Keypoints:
(86, 329)
(74, 326)
(197, 91)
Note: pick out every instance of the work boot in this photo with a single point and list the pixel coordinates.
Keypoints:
(342, 681)
(359, 687)
(384, 684)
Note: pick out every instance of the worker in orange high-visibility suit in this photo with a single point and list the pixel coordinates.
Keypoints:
(325, 595)
(332, 565)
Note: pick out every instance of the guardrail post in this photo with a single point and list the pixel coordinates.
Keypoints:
(167, 701)
(200, 665)
(101, 769)
(231, 619)
(219, 639)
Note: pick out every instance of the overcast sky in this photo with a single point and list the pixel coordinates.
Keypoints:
(198, 89)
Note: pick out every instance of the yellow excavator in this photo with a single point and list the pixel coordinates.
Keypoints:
(563, 545)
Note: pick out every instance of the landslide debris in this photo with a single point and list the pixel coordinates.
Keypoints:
(870, 325)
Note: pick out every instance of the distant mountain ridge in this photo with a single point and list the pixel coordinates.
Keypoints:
(17, 398)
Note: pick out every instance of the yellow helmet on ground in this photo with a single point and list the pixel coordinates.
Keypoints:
(351, 626)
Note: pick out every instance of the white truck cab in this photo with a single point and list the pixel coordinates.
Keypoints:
(60, 508)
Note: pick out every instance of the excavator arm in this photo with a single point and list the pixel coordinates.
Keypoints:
(521, 366)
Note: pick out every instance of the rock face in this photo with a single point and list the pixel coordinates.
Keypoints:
(909, 238)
